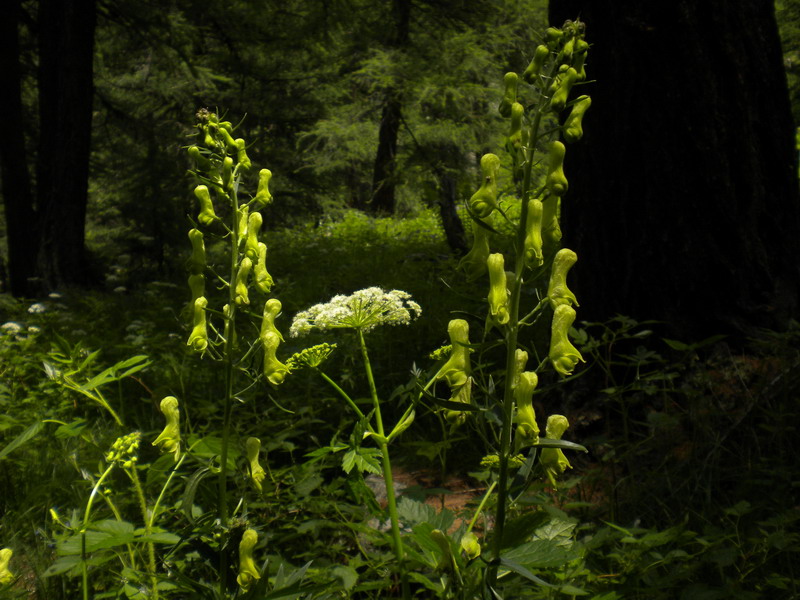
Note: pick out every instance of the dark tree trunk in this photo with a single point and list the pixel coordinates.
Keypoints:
(21, 228)
(451, 222)
(66, 41)
(683, 201)
(384, 173)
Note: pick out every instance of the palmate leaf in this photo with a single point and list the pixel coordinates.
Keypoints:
(364, 459)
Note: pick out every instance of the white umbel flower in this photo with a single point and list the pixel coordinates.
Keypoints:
(364, 310)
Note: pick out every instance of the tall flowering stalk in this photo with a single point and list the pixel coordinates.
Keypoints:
(362, 312)
(534, 104)
(221, 167)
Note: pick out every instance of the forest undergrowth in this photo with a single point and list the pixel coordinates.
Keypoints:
(169, 441)
(687, 490)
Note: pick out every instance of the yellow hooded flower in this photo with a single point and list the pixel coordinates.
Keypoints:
(169, 440)
(563, 354)
(248, 572)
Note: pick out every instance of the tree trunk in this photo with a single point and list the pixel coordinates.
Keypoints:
(21, 228)
(384, 173)
(451, 223)
(66, 41)
(683, 200)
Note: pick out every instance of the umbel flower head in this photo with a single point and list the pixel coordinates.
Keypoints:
(310, 357)
(363, 310)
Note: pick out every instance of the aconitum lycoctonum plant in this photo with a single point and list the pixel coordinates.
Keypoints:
(521, 199)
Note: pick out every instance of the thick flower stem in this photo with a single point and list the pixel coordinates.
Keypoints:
(148, 529)
(86, 513)
(228, 349)
(511, 336)
(387, 470)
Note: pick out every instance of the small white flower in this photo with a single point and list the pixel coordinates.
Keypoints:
(33, 329)
(37, 308)
(54, 295)
(11, 328)
(364, 310)
(121, 289)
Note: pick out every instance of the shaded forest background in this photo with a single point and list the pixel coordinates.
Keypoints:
(385, 107)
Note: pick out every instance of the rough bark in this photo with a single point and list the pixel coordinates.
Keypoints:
(66, 42)
(21, 228)
(383, 174)
(451, 222)
(683, 201)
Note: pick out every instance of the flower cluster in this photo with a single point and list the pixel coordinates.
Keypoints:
(363, 310)
(123, 450)
(310, 357)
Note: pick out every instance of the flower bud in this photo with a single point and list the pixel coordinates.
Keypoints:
(510, 81)
(563, 354)
(553, 37)
(484, 201)
(557, 290)
(198, 339)
(248, 572)
(207, 215)
(552, 459)
(573, 125)
(556, 181)
(535, 67)
(197, 263)
(581, 49)
(533, 234)
(257, 473)
(263, 197)
(169, 440)
(201, 163)
(527, 429)
(261, 277)
(241, 293)
(474, 262)
(227, 138)
(559, 99)
(470, 545)
(498, 291)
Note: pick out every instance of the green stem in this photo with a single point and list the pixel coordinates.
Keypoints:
(154, 513)
(512, 332)
(486, 497)
(387, 469)
(228, 348)
(148, 529)
(346, 397)
(87, 512)
(118, 516)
